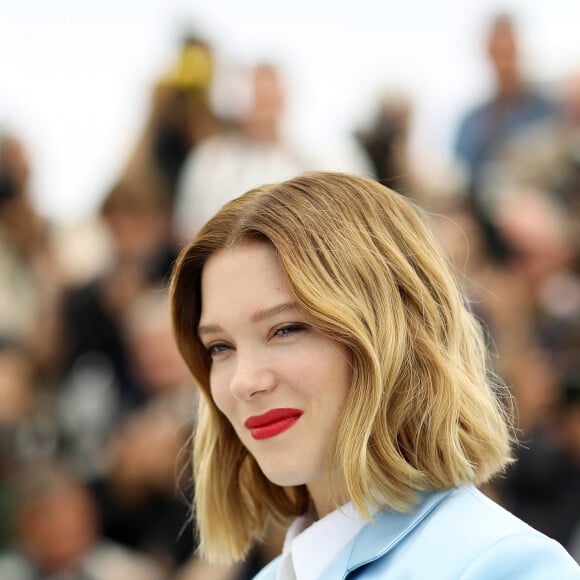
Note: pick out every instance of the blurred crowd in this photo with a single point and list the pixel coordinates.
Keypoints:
(96, 407)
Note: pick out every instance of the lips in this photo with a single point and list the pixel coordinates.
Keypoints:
(272, 423)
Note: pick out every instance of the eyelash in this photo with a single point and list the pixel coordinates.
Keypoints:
(283, 331)
(288, 329)
(213, 349)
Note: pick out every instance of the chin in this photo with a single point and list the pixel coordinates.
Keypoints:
(286, 477)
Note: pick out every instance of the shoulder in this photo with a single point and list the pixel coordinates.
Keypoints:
(204, 153)
(477, 114)
(471, 129)
(474, 522)
(526, 556)
(469, 536)
(540, 101)
(479, 516)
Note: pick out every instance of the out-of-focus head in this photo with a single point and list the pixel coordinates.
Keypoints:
(137, 217)
(153, 353)
(181, 103)
(56, 520)
(503, 46)
(537, 231)
(268, 93)
(194, 67)
(266, 103)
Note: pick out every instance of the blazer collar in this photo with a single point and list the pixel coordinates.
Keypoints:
(379, 537)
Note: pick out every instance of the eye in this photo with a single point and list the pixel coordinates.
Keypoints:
(216, 349)
(289, 329)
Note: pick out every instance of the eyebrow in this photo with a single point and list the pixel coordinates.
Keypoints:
(258, 316)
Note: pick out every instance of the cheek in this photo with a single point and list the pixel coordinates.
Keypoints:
(220, 393)
(334, 373)
(328, 388)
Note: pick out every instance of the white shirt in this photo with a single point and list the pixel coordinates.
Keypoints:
(310, 545)
(226, 165)
(222, 168)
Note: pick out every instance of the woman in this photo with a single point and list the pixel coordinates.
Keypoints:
(344, 385)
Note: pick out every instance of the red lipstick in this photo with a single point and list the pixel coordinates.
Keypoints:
(272, 423)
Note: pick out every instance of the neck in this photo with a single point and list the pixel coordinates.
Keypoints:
(323, 500)
(509, 87)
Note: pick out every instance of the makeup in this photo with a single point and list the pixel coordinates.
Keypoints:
(272, 423)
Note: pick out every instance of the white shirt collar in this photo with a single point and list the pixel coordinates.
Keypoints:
(311, 545)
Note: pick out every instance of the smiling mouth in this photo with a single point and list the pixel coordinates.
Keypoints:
(272, 423)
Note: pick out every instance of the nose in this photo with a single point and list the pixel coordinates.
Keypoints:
(252, 375)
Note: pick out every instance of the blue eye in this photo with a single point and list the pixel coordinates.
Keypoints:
(216, 349)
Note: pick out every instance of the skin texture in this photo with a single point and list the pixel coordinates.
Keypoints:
(265, 355)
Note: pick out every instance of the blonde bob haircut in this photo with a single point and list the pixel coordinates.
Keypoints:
(421, 412)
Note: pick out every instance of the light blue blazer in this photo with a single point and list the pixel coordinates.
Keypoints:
(451, 535)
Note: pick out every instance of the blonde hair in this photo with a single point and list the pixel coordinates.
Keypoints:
(421, 412)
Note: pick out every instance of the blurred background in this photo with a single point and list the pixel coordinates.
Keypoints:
(125, 125)
(75, 77)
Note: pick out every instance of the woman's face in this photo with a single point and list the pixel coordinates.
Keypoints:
(280, 382)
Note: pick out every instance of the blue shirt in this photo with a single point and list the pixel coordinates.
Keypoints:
(487, 128)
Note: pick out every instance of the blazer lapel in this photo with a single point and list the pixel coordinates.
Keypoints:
(378, 538)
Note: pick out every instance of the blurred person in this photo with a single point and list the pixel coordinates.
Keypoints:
(137, 223)
(254, 148)
(57, 533)
(567, 424)
(539, 235)
(252, 151)
(513, 107)
(386, 141)
(568, 431)
(498, 294)
(16, 380)
(152, 352)
(137, 216)
(544, 156)
(142, 494)
(30, 282)
(180, 117)
(542, 486)
(571, 100)
(97, 385)
(28, 430)
(16, 403)
(345, 387)
(567, 188)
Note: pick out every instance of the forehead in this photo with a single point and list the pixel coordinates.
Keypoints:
(257, 255)
(244, 275)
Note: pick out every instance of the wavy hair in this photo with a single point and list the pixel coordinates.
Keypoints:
(422, 411)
